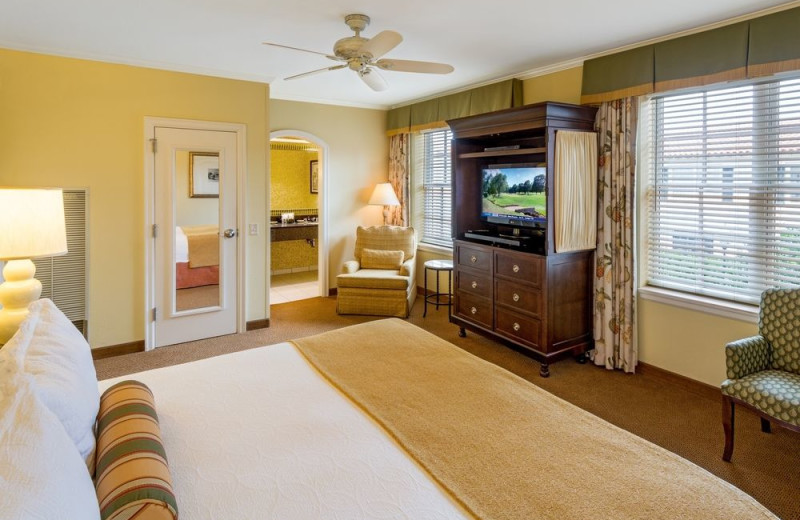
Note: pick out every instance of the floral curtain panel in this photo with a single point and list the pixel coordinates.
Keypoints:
(399, 177)
(615, 305)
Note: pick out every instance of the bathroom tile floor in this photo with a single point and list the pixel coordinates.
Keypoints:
(293, 286)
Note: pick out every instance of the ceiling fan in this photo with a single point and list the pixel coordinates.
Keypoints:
(363, 55)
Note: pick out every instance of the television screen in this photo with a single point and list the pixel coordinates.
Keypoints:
(514, 195)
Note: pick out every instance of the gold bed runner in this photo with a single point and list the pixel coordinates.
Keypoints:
(203, 245)
(504, 448)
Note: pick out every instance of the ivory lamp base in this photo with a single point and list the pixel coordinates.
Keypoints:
(19, 290)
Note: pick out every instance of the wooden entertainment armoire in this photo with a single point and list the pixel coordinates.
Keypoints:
(510, 283)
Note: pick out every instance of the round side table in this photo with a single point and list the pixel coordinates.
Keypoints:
(438, 298)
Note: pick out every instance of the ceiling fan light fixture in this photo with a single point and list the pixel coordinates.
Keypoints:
(373, 80)
(361, 55)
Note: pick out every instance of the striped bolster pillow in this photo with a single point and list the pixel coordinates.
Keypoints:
(132, 477)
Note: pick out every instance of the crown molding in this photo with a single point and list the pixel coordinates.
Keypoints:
(335, 102)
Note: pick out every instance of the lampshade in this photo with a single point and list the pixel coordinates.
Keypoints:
(31, 223)
(384, 195)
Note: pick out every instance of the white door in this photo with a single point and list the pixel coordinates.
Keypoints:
(195, 250)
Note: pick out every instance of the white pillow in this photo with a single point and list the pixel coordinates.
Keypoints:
(50, 349)
(41, 473)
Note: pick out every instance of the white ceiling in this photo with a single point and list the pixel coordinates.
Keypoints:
(483, 40)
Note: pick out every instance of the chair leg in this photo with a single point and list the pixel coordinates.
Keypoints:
(765, 426)
(727, 425)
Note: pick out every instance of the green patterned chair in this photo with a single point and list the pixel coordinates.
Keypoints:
(764, 370)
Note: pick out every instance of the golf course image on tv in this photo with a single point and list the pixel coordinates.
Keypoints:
(513, 191)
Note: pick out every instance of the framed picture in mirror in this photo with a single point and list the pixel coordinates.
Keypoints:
(315, 176)
(203, 175)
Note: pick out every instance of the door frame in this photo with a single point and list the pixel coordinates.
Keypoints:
(323, 288)
(150, 124)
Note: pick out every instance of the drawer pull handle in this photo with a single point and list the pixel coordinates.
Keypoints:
(474, 284)
(515, 297)
(515, 268)
(473, 310)
(516, 327)
(473, 259)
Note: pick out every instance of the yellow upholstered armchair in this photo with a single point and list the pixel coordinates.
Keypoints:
(381, 281)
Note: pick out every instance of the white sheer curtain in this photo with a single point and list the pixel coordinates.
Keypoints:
(575, 189)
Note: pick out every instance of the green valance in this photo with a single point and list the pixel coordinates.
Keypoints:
(434, 112)
(454, 106)
(399, 118)
(624, 74)
(758, 47)
(424, 112)
(774, 43)
(702, 58)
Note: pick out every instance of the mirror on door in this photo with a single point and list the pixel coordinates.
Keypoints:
(197, 236)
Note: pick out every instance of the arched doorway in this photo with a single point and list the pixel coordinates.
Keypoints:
(297, 211)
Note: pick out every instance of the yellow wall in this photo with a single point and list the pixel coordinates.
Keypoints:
(293, 255)
(77, 123)
(687, 342)
(563, 86)
(290, 179)
(357, 160)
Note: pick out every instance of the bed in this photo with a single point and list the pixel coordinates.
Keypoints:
(385, 420)
(196, 256)
(295, 430)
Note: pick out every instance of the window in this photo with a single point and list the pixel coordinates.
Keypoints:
(724, 200)
(432, 169)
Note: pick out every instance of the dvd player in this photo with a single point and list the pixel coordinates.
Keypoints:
(494, 239)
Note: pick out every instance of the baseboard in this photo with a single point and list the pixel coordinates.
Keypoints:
(118, 350)
(257, 324)
(689, 384)
(138, 346)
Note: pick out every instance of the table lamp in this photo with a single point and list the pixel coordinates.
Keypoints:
(31, 226)
(384, 196)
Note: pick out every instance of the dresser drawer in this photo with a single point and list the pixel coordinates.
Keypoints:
(474, 258)
(518, 297)
(515, 326)
(525, 268)
(474, 308)
(472, 283)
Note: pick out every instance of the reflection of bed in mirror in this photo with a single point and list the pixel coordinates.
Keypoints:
(196, 256)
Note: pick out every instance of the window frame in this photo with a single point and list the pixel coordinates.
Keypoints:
(744, 311)
(419, 190)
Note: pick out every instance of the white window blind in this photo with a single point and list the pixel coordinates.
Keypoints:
(437, 199)
(724, 205)
(63, 277)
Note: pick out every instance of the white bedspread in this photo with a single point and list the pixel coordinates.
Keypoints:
(259, 434)
(181, 245)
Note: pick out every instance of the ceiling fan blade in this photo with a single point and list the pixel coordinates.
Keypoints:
(373, 80)
(329, 56)
(381, 43)
(312, 72)
(426, 67)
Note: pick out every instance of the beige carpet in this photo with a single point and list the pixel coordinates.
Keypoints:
(197, 297)
(764, 466)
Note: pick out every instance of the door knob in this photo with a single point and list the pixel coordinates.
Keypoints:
(229, 233)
